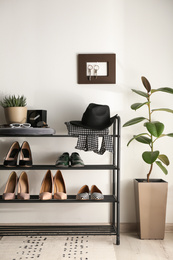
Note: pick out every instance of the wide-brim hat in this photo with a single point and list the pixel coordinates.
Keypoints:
(96, 117)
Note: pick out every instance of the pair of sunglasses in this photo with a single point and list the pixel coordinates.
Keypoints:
(17, 125)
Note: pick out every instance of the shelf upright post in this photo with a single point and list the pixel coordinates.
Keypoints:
(113, 177)
(118, 179)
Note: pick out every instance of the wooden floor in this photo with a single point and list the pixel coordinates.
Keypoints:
(133, 248)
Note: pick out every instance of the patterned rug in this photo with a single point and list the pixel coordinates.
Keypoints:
(57, 248)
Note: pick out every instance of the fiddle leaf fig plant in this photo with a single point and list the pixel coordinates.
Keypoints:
(153, 130)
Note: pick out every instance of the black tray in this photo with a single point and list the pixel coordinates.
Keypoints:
(8, 131)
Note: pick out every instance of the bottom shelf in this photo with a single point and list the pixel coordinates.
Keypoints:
(42, 230)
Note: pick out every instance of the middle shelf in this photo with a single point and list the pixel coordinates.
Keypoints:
(70, 199)
(53, 167)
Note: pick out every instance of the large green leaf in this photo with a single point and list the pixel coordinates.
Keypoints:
(155, 128)
(167, 90)
(143, 139)
(136, 106)
(163, 109)
(134, 121)
(164, 159)
(146, 84)
(162, 167)
(141, 93)
(150, 157)
(170, 134)
(140, 138)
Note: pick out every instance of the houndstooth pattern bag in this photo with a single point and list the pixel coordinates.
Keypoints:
(88, 139)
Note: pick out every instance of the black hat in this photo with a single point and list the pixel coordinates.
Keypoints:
(96, 117)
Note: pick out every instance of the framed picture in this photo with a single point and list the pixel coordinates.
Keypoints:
(96, 68)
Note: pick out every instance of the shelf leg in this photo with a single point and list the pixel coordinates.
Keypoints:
(116, 240)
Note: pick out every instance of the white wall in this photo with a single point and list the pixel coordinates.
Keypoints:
(39, 44)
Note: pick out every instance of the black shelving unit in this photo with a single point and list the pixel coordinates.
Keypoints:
(109, 229)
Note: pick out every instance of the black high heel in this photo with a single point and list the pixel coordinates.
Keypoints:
(11, 157)
(25, 158)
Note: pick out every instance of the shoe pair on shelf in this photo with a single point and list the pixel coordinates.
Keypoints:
(83, 193)
(25, 157)
(64, 160)
(47, 186)
(23, 187)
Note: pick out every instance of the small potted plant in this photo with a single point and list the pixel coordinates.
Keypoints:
(15, 109)
(151, 193)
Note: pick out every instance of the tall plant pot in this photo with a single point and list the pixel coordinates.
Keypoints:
(151, 200)
(15, 114)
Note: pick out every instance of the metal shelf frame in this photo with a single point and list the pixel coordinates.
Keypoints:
(57, 230)
(53, 167)
(70, 199)
(110, 229)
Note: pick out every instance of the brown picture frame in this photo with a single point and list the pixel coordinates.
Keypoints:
(110, 59)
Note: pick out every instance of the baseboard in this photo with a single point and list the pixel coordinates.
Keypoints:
(132, 227)
(169, 227)
(128, 227)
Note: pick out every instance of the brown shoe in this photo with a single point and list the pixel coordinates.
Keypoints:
(10, 188)
(23, 187)
(46, 187)
(59, 187)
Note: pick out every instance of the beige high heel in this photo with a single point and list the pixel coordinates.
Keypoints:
(59, 186)
(46, 187)
(23, 187)
(10, 188)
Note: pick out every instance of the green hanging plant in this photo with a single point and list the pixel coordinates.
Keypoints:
(154, 129)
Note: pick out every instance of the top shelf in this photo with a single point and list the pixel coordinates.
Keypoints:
(55, 135)
(50, 132)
